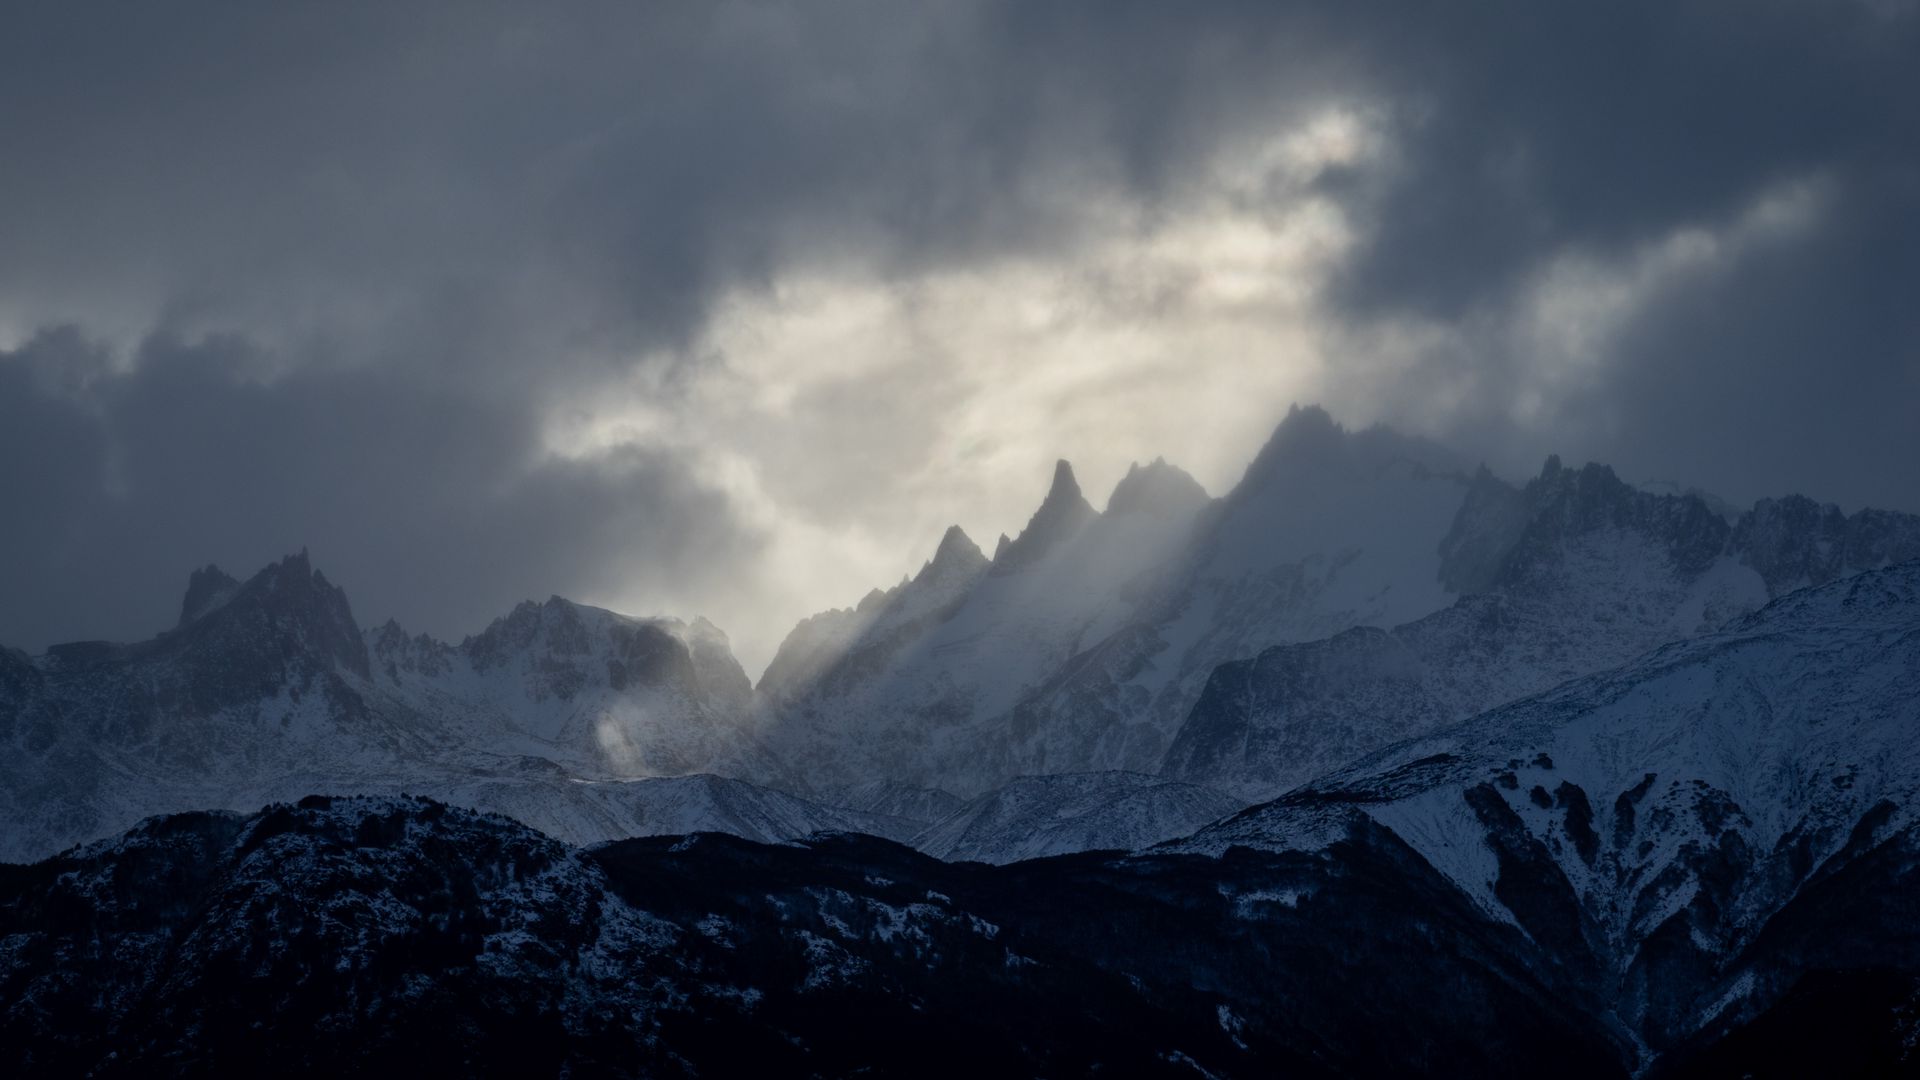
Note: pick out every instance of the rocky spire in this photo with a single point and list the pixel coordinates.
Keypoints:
(956, 558)
(207, 588)
(286, 616)
(1063, 513)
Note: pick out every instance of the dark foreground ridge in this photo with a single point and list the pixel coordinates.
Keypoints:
(374, 935)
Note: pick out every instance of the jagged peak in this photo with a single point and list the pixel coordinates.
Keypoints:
(1562, 503)
(1304, 426)
(1794, 540)
(1308, 442)
(290, 571)
(957, 556)
(298, 563)
(1591, 484)
(955, 541)
(1062, 513)
(1064, 488)
(207, 588)
(1157, 488)
(286, 600)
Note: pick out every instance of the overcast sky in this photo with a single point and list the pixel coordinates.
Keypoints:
(730, 309)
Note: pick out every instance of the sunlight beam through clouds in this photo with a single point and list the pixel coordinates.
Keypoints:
(853, 416)
(731, 308)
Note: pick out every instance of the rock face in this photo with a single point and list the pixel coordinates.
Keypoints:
(1796, 542)
(1669, 827)
(268, 689)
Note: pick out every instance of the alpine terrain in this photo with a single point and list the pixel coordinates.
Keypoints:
(1377, 764)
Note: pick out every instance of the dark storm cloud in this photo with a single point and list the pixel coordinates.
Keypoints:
(619, 162)
(1799, 370)
(340, 261)
(331, 266)
(1530, 127)
(421, 501)
(1530, 131)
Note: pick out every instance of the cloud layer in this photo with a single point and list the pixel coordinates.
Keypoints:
(731, 308)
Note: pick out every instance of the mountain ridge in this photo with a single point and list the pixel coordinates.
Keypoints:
(1214, 642)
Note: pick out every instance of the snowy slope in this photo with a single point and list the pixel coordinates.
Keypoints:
(1327, 530)
(1086, 641)
(1655, 817)
(608, 694)
(1036, 816)
(1133, 640)
(892, 799)
(909, 686)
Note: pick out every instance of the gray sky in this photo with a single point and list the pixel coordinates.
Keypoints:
(731, 309)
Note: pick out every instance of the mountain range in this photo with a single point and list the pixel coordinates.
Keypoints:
(1355, 589)
(1622, 769)
(1702, 862)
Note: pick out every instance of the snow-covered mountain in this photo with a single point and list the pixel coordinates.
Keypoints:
(1568, 776)
(268, 690)
(1652, 824)
(577, 721)
(1573, 573)
(1328, 529)
(1209, 639)
(1082, 644)
(913, 684)
(612, 694)
(1355, 589)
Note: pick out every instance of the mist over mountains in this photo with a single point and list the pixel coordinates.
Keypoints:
(1637, 746)
(745, 539)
